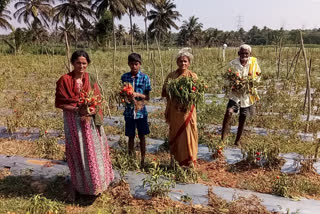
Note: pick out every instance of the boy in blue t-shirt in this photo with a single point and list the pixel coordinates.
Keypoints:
(136, 116)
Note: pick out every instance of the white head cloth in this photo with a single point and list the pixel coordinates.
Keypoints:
(245, 47)
(185, 52)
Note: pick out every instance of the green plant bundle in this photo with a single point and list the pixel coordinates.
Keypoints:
(186, 91)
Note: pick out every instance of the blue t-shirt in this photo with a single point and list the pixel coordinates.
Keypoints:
(141, 84)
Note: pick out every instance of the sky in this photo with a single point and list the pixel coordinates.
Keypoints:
(230, 14)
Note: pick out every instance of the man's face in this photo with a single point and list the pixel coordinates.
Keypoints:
(244, 55)
(134, 66)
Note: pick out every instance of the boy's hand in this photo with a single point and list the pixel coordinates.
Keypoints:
(135, 94)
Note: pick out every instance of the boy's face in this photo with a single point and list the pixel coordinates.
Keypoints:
(134, 66)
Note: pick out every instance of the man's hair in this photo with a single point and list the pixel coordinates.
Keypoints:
(134, 57)
(245, 47)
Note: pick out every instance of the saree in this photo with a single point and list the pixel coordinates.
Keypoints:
(87, 149)
(183, 132)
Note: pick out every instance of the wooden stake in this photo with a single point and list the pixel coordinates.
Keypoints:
(69, 68)
(308, 94)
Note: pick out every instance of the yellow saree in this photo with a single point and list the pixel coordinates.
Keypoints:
(183, 132)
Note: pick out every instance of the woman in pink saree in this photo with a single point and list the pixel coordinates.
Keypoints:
(87, 150)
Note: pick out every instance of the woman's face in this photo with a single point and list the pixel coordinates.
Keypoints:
(80, 64)
(183, 63)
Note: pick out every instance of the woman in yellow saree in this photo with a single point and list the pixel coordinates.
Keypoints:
(183, 132)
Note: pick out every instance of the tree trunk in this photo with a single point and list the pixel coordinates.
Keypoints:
(146, 27)
(69, 68)
(130, 18)
(75, 34)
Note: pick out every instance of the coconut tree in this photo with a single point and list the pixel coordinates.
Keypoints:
(19, 38)
(137, 33)
(117, 8)
(122, 34)
(152, 3)
(163, 18)
(211, 37)
(65, 28)
(29, 11)
(4, 17)
(190, 31)
(135, 7)
(103, 28)
(3, 4)
(37, 33)
(77, 11)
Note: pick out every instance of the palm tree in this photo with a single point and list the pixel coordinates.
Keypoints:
(117, 8)
(122, 34)
(162, 18)
(153, 3)
(19, 38)
(39, 11)
(3, 4)
(4, 17)
(135, 7)
(191, 31)
(77, 11)
(37, 33)
(103, 28)
(137, 33)
(211, 37)
(65, 28)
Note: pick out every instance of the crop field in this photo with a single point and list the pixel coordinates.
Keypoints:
(27, 85)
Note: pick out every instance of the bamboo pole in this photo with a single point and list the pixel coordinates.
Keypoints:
(154, 69)
(308, 81)
(279, 58)
(161, 66)
(295, 58)
(306, 94)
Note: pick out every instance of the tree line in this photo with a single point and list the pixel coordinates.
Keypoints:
(92, 23)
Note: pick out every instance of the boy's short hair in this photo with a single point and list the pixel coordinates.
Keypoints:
(134, 57)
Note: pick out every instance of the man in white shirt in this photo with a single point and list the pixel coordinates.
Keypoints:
(244, 67)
